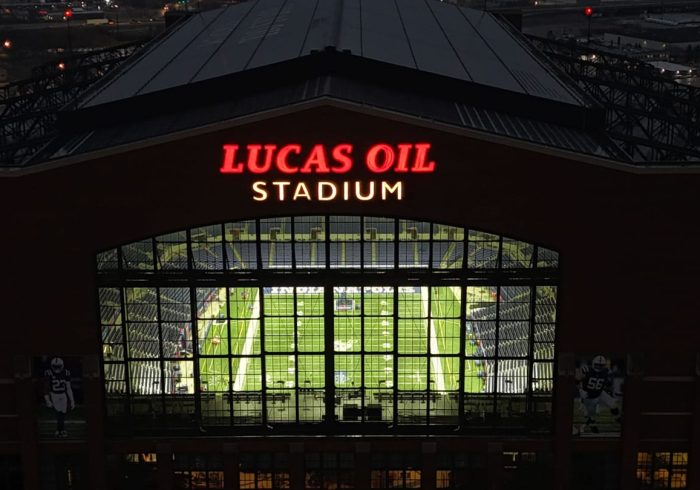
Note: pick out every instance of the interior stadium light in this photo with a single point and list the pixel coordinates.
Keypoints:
(588, 11)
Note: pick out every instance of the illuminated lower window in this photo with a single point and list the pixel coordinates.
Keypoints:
(444, 479)
(264, 471)
(662, 469)
(198, 471)
(395, 470)
(454, 469)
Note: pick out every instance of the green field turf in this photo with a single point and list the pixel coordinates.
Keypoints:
(294, 343)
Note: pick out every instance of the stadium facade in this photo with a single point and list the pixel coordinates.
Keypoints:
(346, 244)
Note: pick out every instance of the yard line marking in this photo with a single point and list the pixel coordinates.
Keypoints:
(248, 346)
(437, 365)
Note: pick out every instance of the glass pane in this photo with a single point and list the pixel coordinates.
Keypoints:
(448, 247)
(483, 250)
(445, 310)
(516, 254)
(108, 260)
(138, 256)
(547, 258)
(310, 247)
(172, 251)
(246, 373)
(239, 245)
(345, 235)
(379, 236)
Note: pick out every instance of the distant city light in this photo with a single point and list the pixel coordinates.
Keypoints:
(588, 11)
(7, 44)
(61, 66)
(68, 14)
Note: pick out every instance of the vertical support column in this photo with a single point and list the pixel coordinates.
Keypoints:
(166, 466)
(462, 352)
(328, 329)
(27, 422)
(94, 420)
(564, 419)
(631, 421)
(362, 464)
(231, 465)
(428, 470)
(297, 464)
(494, 465)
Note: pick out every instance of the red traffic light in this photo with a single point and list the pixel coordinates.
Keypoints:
(588, 11)
(68, 14)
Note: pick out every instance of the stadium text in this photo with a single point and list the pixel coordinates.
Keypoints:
(319, 159)
(327, 191)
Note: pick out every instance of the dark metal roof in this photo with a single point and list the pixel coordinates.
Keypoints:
(434, 108)
(426, 35)
(420, 58)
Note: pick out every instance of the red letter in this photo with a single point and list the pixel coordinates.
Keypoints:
(341, 154)
(228, 167)
(282, 164)
(420, 165)
(372, 158)
(254, 166)
(404, 149)
(317, 158)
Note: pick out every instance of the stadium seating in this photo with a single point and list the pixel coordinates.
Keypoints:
(513, 339)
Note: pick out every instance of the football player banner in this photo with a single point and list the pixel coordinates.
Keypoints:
(58, 383)
(598, 399)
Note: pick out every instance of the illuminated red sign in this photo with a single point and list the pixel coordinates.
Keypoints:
(325, 161)
(320, 159)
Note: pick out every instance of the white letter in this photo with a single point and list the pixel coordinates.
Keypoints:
(358, 191)
(259, 187)
(389, 189)
(301, 191)
(324, 197)
(280, 186)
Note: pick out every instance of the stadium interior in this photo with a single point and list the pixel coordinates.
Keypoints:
(445, 327)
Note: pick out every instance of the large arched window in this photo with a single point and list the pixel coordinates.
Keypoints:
(328, 323)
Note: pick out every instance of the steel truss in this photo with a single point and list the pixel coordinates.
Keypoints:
(652, 118)
(29, 108)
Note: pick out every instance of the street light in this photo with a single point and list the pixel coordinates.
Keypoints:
(68, 14)
(588, 12)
